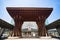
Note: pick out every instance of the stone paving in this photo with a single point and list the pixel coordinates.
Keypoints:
(16, 38)
(32, 39)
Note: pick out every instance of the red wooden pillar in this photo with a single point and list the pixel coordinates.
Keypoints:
(41, 26)
(17, 28)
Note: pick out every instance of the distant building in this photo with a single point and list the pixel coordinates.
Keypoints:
(29, 32)
(53, 32)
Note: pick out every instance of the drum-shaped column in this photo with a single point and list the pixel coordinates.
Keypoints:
(18, 24)
(41, 26)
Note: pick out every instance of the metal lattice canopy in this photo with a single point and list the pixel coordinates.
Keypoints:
(4, 24)
(54, 24)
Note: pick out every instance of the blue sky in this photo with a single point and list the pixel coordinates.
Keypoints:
(55, 4)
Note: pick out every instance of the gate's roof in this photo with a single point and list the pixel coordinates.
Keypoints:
(29, 13)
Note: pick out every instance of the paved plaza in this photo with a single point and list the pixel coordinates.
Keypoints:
(41, 38)
(33, 39)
